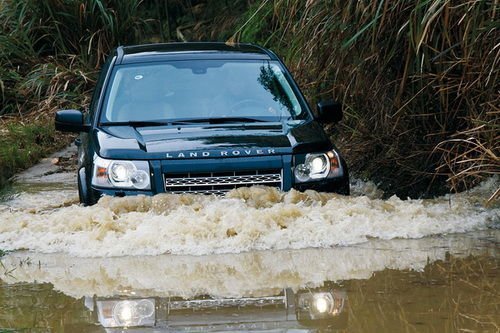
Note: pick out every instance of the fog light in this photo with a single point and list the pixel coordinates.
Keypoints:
(302, 172)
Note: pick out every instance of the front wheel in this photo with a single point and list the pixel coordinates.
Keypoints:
(83, 191)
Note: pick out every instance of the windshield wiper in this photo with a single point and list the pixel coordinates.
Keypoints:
(136, 123)
(221, 120)
(185, 121)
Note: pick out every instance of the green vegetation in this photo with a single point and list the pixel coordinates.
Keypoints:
(22, 144)
(418, 79)
(50, 52)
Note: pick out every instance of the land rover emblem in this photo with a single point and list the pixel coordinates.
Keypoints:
(222, 153)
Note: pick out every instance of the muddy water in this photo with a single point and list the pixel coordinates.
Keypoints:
(256, 260)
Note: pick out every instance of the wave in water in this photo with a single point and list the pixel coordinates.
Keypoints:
(246, 219)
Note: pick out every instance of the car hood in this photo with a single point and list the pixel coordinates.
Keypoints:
(209, 141)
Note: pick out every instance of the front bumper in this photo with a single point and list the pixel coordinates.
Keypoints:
(217, 167)
(340, 186)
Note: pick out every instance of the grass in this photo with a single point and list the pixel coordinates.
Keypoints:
(24, 143)
(49, 52)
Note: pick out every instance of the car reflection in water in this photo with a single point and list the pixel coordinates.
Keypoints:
(308, 310)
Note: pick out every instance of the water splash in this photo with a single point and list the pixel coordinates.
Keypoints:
(246, 219)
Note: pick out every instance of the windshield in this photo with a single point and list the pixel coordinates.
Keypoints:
(200, 90)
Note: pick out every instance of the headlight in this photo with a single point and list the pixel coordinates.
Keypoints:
(320, 305)
(121, 174)
(318, 166)
(126, 313)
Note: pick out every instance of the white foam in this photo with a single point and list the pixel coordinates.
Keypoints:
(254, 274)
(247, 219)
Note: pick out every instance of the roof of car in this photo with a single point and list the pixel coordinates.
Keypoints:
(191, 51)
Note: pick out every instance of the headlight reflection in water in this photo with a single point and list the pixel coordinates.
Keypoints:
(126, 313)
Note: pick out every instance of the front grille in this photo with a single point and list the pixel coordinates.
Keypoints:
(226, 302)
(220, 182)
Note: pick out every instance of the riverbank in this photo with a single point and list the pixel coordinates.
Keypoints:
(24, 140)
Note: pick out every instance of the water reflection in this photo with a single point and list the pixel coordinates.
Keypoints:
(251, 274)
(306, 309)
(435, 284)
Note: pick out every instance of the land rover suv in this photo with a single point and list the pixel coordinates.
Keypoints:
(201, 118)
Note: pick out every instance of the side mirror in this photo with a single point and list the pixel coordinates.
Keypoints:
(70, 121)
(329, 111)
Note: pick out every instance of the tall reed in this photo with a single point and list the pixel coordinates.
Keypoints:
(49, 54)
(50, 50)
(418, 80)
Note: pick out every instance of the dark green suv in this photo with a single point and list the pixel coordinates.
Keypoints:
(201, 118)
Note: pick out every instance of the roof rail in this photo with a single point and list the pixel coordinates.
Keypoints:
(270, 53)
(119, 54)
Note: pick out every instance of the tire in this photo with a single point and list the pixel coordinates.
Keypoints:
(83, 192)
(345, 188)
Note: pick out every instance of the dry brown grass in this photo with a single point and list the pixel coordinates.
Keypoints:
(418, 80)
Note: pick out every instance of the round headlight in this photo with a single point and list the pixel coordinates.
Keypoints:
(124, 313)
(133, 313)
(140, 179)
(318, 164)
(145, 308)
(120, 172)
(323, 302)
